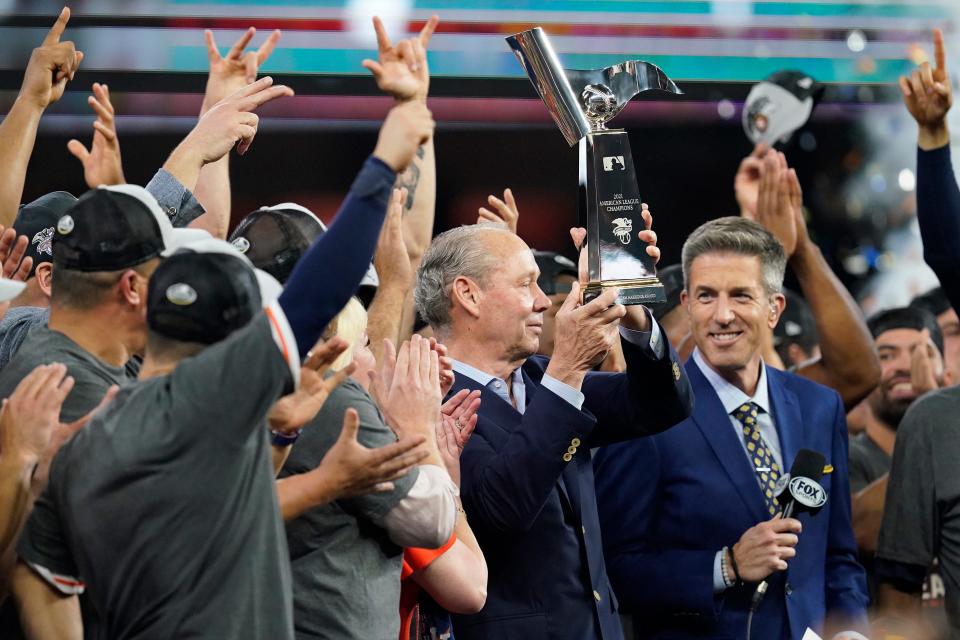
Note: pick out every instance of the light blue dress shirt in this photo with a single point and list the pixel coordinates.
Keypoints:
(651, 341)
(732, 398)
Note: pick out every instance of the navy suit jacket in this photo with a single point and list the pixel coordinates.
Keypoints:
(669, 503)
(527, 488)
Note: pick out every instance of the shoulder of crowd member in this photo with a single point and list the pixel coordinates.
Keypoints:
(930, 413)
(15, 326)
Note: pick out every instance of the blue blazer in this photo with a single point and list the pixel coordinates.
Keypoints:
(669, 503)
(527, 489)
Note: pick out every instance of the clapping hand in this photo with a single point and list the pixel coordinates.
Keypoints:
(780, 203)
(458, 419)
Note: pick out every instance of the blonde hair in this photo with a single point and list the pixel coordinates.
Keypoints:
(350, 323)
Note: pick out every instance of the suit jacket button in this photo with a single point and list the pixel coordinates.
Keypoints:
(571, 450)
(567, 457)
(575, 442)
(596, 595)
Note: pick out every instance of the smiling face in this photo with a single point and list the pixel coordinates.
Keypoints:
(511, 305)
(729, 310)
(895, 393)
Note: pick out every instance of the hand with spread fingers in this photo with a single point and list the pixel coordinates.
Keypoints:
(928, 94)
(101, 163)
(401, 70)
(351, 469)
(411, 402)
(293, 411)
(32, 412)
(12, 249)
(61, 433)
(504, 211)
(51, 66)
(238, 68)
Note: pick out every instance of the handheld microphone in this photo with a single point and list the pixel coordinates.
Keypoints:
(799, 492)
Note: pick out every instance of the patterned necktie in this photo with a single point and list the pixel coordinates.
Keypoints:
(767, 470)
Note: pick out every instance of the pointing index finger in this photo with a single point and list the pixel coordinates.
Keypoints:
(53, 36)
(939, 50)
(383, 40)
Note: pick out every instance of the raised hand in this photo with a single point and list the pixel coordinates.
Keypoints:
(780, 202)
(504, 211)
(926, 365)
(230, 121)
(402, 69)
(928, 95)
(12, 249)
(584, 334)
(391, 259)
(746, 184)
(51, 65)
(293, 411)
(237, 69)
(32, 412)
(101, 163)
(351, 469)
(406, 127)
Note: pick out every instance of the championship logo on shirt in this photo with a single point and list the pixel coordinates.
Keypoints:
(44, 241)
(622, 227)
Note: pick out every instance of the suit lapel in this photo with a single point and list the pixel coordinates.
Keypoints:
(503, 416)
(568, 483)
(786, 417)
(711, 418)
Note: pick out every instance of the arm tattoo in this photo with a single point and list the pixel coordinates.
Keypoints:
(410, 178)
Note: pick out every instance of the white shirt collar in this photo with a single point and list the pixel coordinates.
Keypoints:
(730, 396)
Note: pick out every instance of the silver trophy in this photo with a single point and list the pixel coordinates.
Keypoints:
(581, 103)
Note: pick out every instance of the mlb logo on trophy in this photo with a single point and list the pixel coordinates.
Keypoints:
(613, 163)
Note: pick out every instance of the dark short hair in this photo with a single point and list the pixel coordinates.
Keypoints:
(906, 318)
(935, 301)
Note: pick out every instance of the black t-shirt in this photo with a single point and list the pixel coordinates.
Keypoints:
(164, 506)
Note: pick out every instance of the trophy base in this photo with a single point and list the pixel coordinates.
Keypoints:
(641, 291)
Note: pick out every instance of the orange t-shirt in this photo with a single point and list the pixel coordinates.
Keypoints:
(415, 559)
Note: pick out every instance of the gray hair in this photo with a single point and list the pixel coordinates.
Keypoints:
(454, 253)
(741, 236)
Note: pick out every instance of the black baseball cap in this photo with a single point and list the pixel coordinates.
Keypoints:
(274, 238)
(906, 318)
(551, 266)
(796, 325)
(114, 228)
(202, 297)
(935, 301)
(672, 279)
(38, 220)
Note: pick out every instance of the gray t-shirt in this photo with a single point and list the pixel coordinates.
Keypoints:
(921, 519)
(867, 462)
(346, 571)
(165, 505)
(14, 327)
(92, 377)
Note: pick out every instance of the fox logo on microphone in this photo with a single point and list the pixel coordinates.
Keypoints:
(808, 492)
